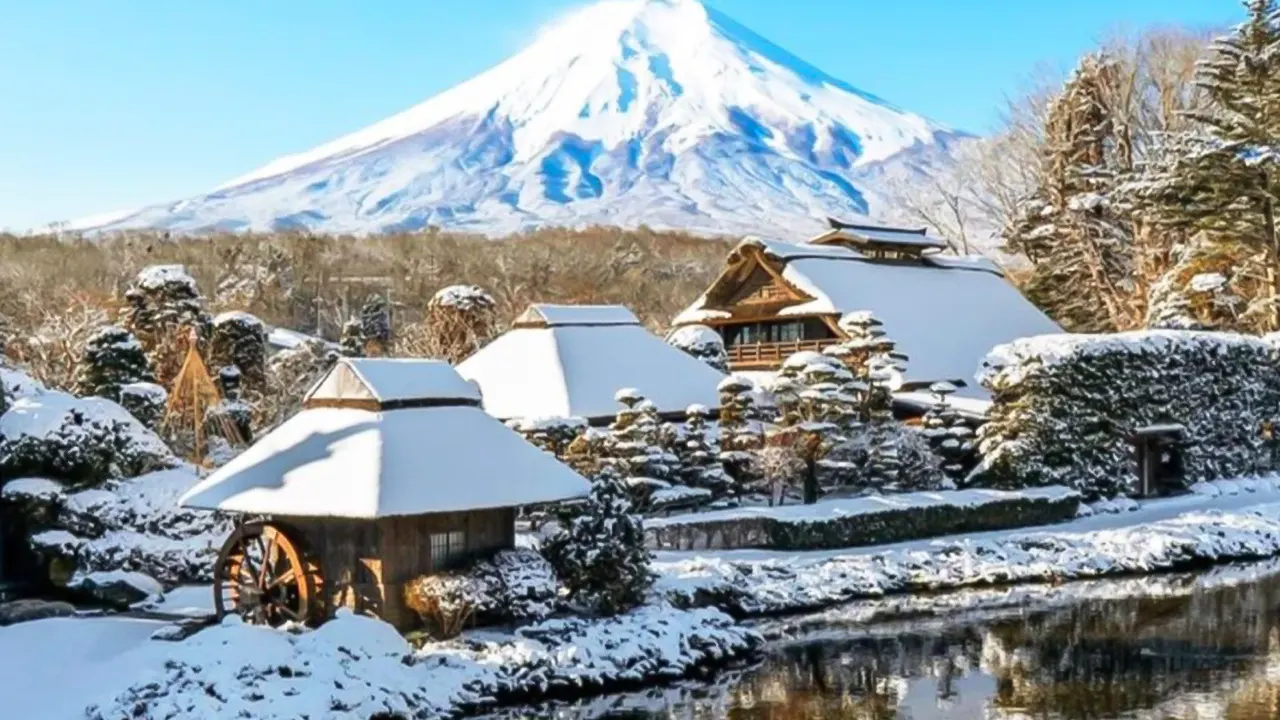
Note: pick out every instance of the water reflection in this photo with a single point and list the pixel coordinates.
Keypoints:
(1190, 648)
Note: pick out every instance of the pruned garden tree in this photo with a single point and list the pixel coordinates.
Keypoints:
(165, 310)
(740, 430)
(699, 455)
(112, 358)
(375, 324)
(239, 340)
(948, 435)
(598, 550)
(701, 342)
(639, 447)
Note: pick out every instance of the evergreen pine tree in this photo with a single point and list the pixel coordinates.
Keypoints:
(1223, 176)
(161, 306)
(112, 358)
(240, 341)
(352, 344)
(375, 324)
(598, 550)
(812, 409)
(1072, 228)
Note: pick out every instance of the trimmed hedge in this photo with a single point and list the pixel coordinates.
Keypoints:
(871, 520)
(1065, 406)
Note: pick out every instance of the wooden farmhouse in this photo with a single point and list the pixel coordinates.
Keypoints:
(774, 299)
(571, 360)
(391, 471)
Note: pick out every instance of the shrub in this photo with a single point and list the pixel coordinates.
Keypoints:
(444, 601)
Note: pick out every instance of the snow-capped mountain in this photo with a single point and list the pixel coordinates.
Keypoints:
(629, 112)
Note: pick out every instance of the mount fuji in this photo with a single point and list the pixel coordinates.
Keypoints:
(664, 113)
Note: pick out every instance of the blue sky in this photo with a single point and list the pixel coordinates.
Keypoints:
(111, 105)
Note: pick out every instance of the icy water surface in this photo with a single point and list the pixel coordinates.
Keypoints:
(1185, 647)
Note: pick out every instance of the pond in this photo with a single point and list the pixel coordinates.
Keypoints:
(1189, 647)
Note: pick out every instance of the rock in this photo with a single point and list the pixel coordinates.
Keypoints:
(117, 589)
(23, 610)
(36, 500)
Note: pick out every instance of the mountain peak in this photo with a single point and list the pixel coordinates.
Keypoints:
(662, 112)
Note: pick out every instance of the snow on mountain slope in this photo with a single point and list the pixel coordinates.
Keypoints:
(629, 112)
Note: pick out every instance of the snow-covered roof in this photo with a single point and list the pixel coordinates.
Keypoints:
(881, 234)
(385, 381)
(545, 315)
(571, 370)
(945, 314)
(346, 462)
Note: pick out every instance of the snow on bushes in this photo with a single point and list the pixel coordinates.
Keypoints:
(356, 667)
(1065, 406)
(514, 585)
(112, 358)
(872, 520)
(129, 525)
(83, 441)
(701, 342)
(598, 548)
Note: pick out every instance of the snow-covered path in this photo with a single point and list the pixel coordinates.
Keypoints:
(1220, 521)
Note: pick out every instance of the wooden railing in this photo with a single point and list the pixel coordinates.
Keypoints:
(770, 355)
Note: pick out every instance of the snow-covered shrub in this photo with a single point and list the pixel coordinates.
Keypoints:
(445, 601)
(598, 548)
(459, 320)
(352, 342)
(519, 584)
(145, 401)
(701, 342)
(162, 306)
(82, 441)
(132, 525)
(112, 359)
(551, 434)
(240, 341)
(375, 324)
(290, 373)
(1065, 406)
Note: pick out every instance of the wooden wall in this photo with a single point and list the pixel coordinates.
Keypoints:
(366, 563)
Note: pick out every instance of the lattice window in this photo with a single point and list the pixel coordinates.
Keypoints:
(447, 549)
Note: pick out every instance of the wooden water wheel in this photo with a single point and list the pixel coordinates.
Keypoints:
(265, 575)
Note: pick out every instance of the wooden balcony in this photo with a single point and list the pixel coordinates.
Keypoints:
(769, 356)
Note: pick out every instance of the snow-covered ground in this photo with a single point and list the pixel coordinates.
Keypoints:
(351, 667)
(1221, 521)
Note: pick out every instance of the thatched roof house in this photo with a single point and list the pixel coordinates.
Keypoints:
(774, 299)
(570, 361)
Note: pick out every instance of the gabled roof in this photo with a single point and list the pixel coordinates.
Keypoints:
(445, 456)
(855, 233)
(944, 313)
(574, 369)
(545, 315)
(391, 381)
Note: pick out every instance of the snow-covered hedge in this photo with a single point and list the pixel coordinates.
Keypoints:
(872, 520)
(1065, 406)
(356, 667)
